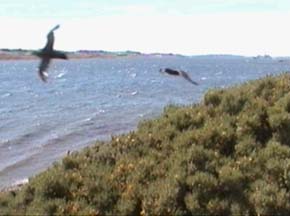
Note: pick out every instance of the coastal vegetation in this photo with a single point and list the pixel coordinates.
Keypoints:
(227, 155)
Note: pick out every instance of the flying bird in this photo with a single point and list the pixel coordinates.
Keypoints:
(47, 53)
(178, 73)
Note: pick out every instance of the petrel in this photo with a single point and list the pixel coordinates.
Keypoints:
(178, 73)
(47, 53)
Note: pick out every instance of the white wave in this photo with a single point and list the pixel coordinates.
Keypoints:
(6, 95)
(219, 73)
(88, 119)
(133, 75)
(60, 75)
(100, 111)
(134, 93)
(20, 182)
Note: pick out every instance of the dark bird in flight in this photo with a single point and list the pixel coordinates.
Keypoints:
(178, 73)
(47, 53)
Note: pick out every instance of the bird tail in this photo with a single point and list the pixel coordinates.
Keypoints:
(185, 76)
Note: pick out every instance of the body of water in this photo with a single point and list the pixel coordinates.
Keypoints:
(92, 99)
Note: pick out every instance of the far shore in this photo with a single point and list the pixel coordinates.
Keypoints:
(19, 54)
(8, 56)
(23, 54)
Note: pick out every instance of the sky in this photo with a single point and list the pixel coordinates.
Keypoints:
(189, 27)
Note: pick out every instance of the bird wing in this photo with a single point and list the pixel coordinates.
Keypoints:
(186, 76)
(42, 68)
(50, 39)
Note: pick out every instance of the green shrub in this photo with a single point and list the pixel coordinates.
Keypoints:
(213, 98)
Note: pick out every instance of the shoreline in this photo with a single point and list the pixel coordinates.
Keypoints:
(6, 55)
(14, 186)
(23, 54)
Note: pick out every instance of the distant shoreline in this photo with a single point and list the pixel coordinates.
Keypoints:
(27, 55)
(22, 54)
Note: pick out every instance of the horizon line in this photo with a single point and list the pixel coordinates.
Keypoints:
(153, 53)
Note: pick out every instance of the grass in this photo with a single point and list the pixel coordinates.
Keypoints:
(228, 155)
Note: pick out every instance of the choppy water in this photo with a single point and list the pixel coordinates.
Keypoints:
(86, 100)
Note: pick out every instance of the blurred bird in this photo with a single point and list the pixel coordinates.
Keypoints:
(47, 53)
(178, 73)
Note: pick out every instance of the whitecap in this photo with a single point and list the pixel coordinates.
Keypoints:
(88, 119)
(60, 75)
(133, 75)
(6, 95)
(219, 73)
(100, 111)
(134, 93)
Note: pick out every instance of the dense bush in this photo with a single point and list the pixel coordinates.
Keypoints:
(228, 155)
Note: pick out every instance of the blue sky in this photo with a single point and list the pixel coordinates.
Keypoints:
(246, 27)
